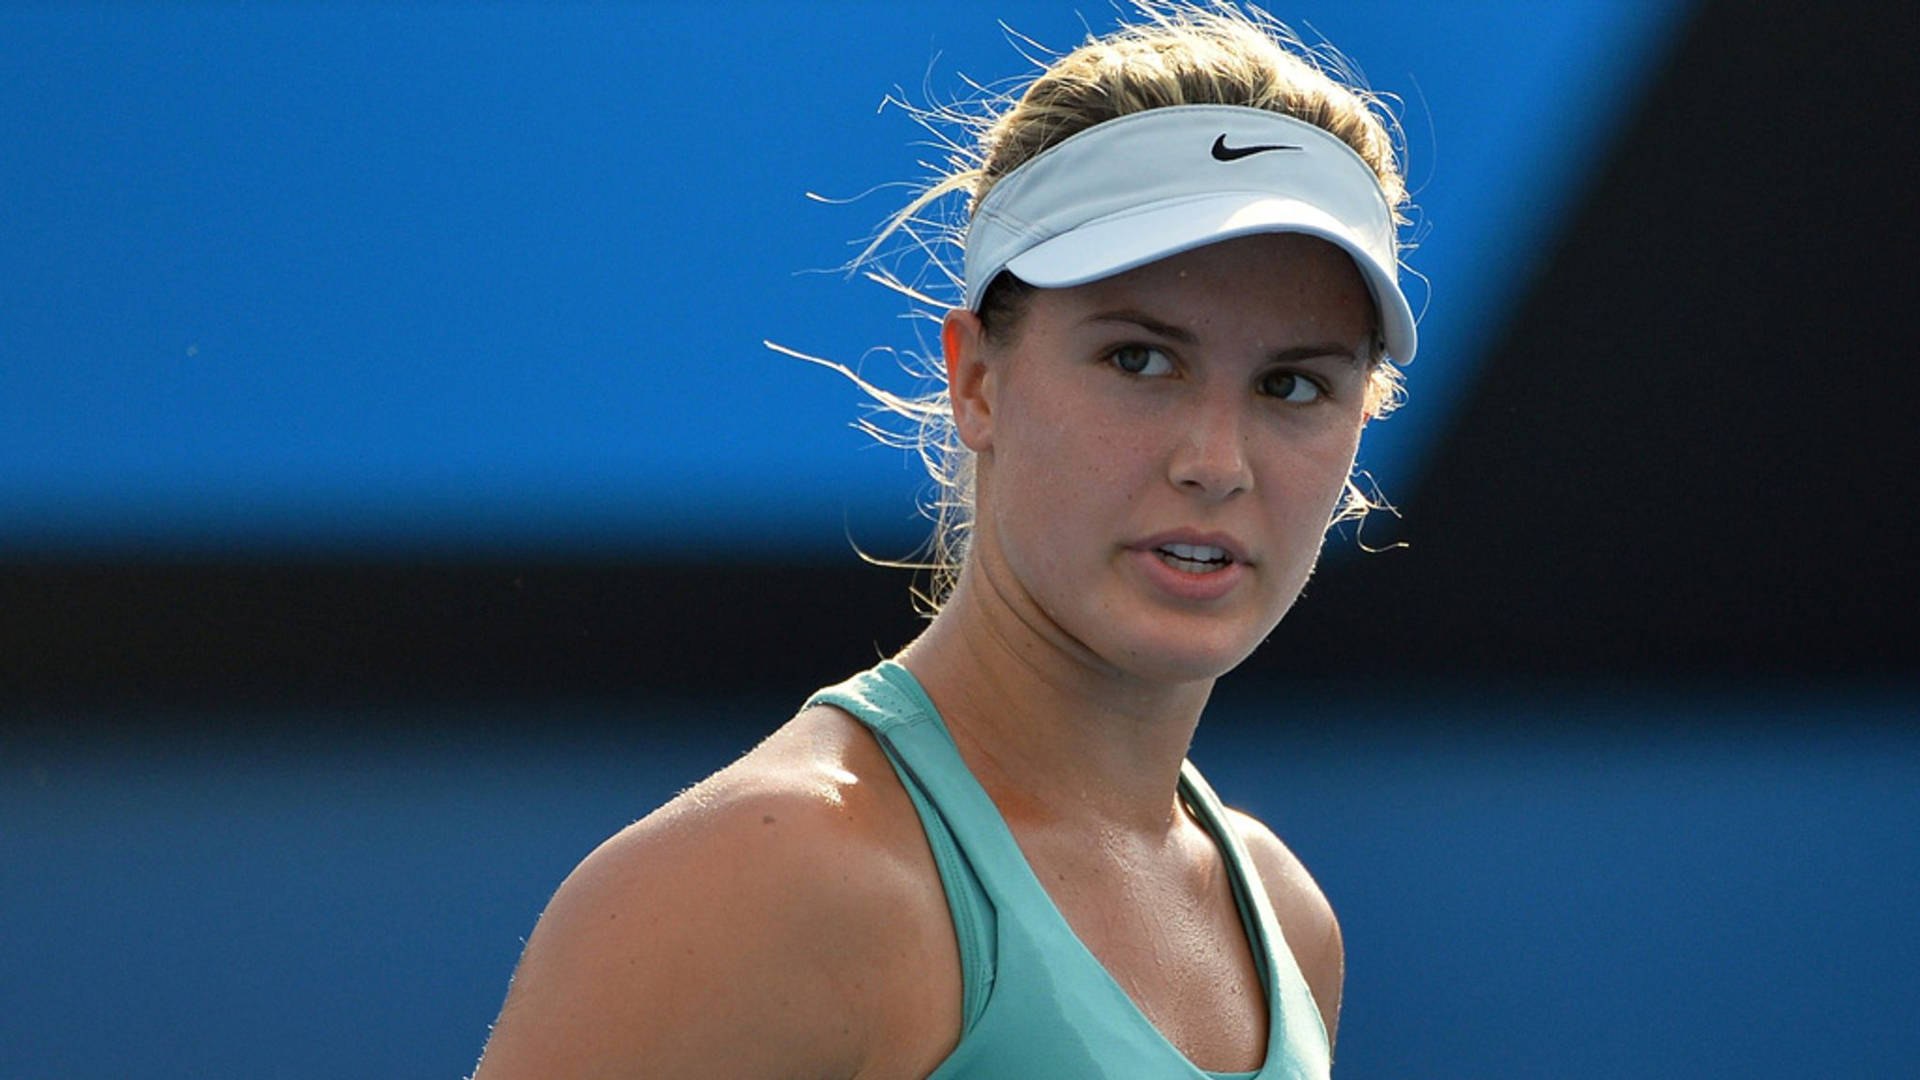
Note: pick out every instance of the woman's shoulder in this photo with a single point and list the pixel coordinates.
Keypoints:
(790, 894)
(1306, 917)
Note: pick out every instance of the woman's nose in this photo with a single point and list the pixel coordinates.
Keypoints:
(1210, 457)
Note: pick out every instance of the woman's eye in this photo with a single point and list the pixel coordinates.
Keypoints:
(1141, 360)
(1290, 387)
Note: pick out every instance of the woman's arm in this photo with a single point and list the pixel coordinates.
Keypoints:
(781, 919)
(693, 943)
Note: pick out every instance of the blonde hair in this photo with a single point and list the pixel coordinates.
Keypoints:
(1178, 52)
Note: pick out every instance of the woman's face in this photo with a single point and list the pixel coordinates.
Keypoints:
(1159, 453)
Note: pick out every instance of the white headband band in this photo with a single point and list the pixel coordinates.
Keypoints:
(1151, 184)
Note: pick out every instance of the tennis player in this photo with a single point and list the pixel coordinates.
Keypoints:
(988, 855)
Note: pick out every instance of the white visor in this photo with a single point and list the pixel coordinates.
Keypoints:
(1151, 184)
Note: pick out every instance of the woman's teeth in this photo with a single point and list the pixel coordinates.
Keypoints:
(1193, 558)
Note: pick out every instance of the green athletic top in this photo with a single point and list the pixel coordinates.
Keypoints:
(1035, 1001)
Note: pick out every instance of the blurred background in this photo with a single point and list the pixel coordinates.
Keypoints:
(397, 498)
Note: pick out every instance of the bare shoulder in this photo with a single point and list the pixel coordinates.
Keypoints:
(789, 897)
(1312, 931)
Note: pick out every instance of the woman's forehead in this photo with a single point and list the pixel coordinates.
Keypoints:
(1280, 275)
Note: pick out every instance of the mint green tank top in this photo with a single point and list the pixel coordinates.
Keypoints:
(1035, 1001)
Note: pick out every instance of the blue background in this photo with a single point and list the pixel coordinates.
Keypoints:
(323, 278)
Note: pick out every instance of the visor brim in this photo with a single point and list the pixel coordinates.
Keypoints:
(1120, 242)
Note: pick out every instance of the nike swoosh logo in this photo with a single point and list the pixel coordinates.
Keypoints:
(1223, 152)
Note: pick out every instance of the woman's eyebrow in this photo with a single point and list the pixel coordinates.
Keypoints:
(1327, 350)
(1148, 323)
(1297, 353)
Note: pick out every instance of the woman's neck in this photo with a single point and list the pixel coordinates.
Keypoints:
(1055, 735)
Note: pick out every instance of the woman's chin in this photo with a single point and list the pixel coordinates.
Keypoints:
(1166, 657)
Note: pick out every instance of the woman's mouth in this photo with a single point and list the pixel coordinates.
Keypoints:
(1194, 558)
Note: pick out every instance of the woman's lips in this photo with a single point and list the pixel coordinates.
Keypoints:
(1193, 543)
(1188, 569)
(1195, 558)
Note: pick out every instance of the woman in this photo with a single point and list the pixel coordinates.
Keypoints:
(987, 857)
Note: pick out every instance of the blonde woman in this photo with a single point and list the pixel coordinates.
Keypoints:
(988, 856)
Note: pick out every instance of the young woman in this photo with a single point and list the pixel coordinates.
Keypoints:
(987, 857)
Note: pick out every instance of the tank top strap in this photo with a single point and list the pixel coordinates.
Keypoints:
(891, 704)
(1295, 1023)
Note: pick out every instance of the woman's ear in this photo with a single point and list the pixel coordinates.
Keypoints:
(970, 384)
